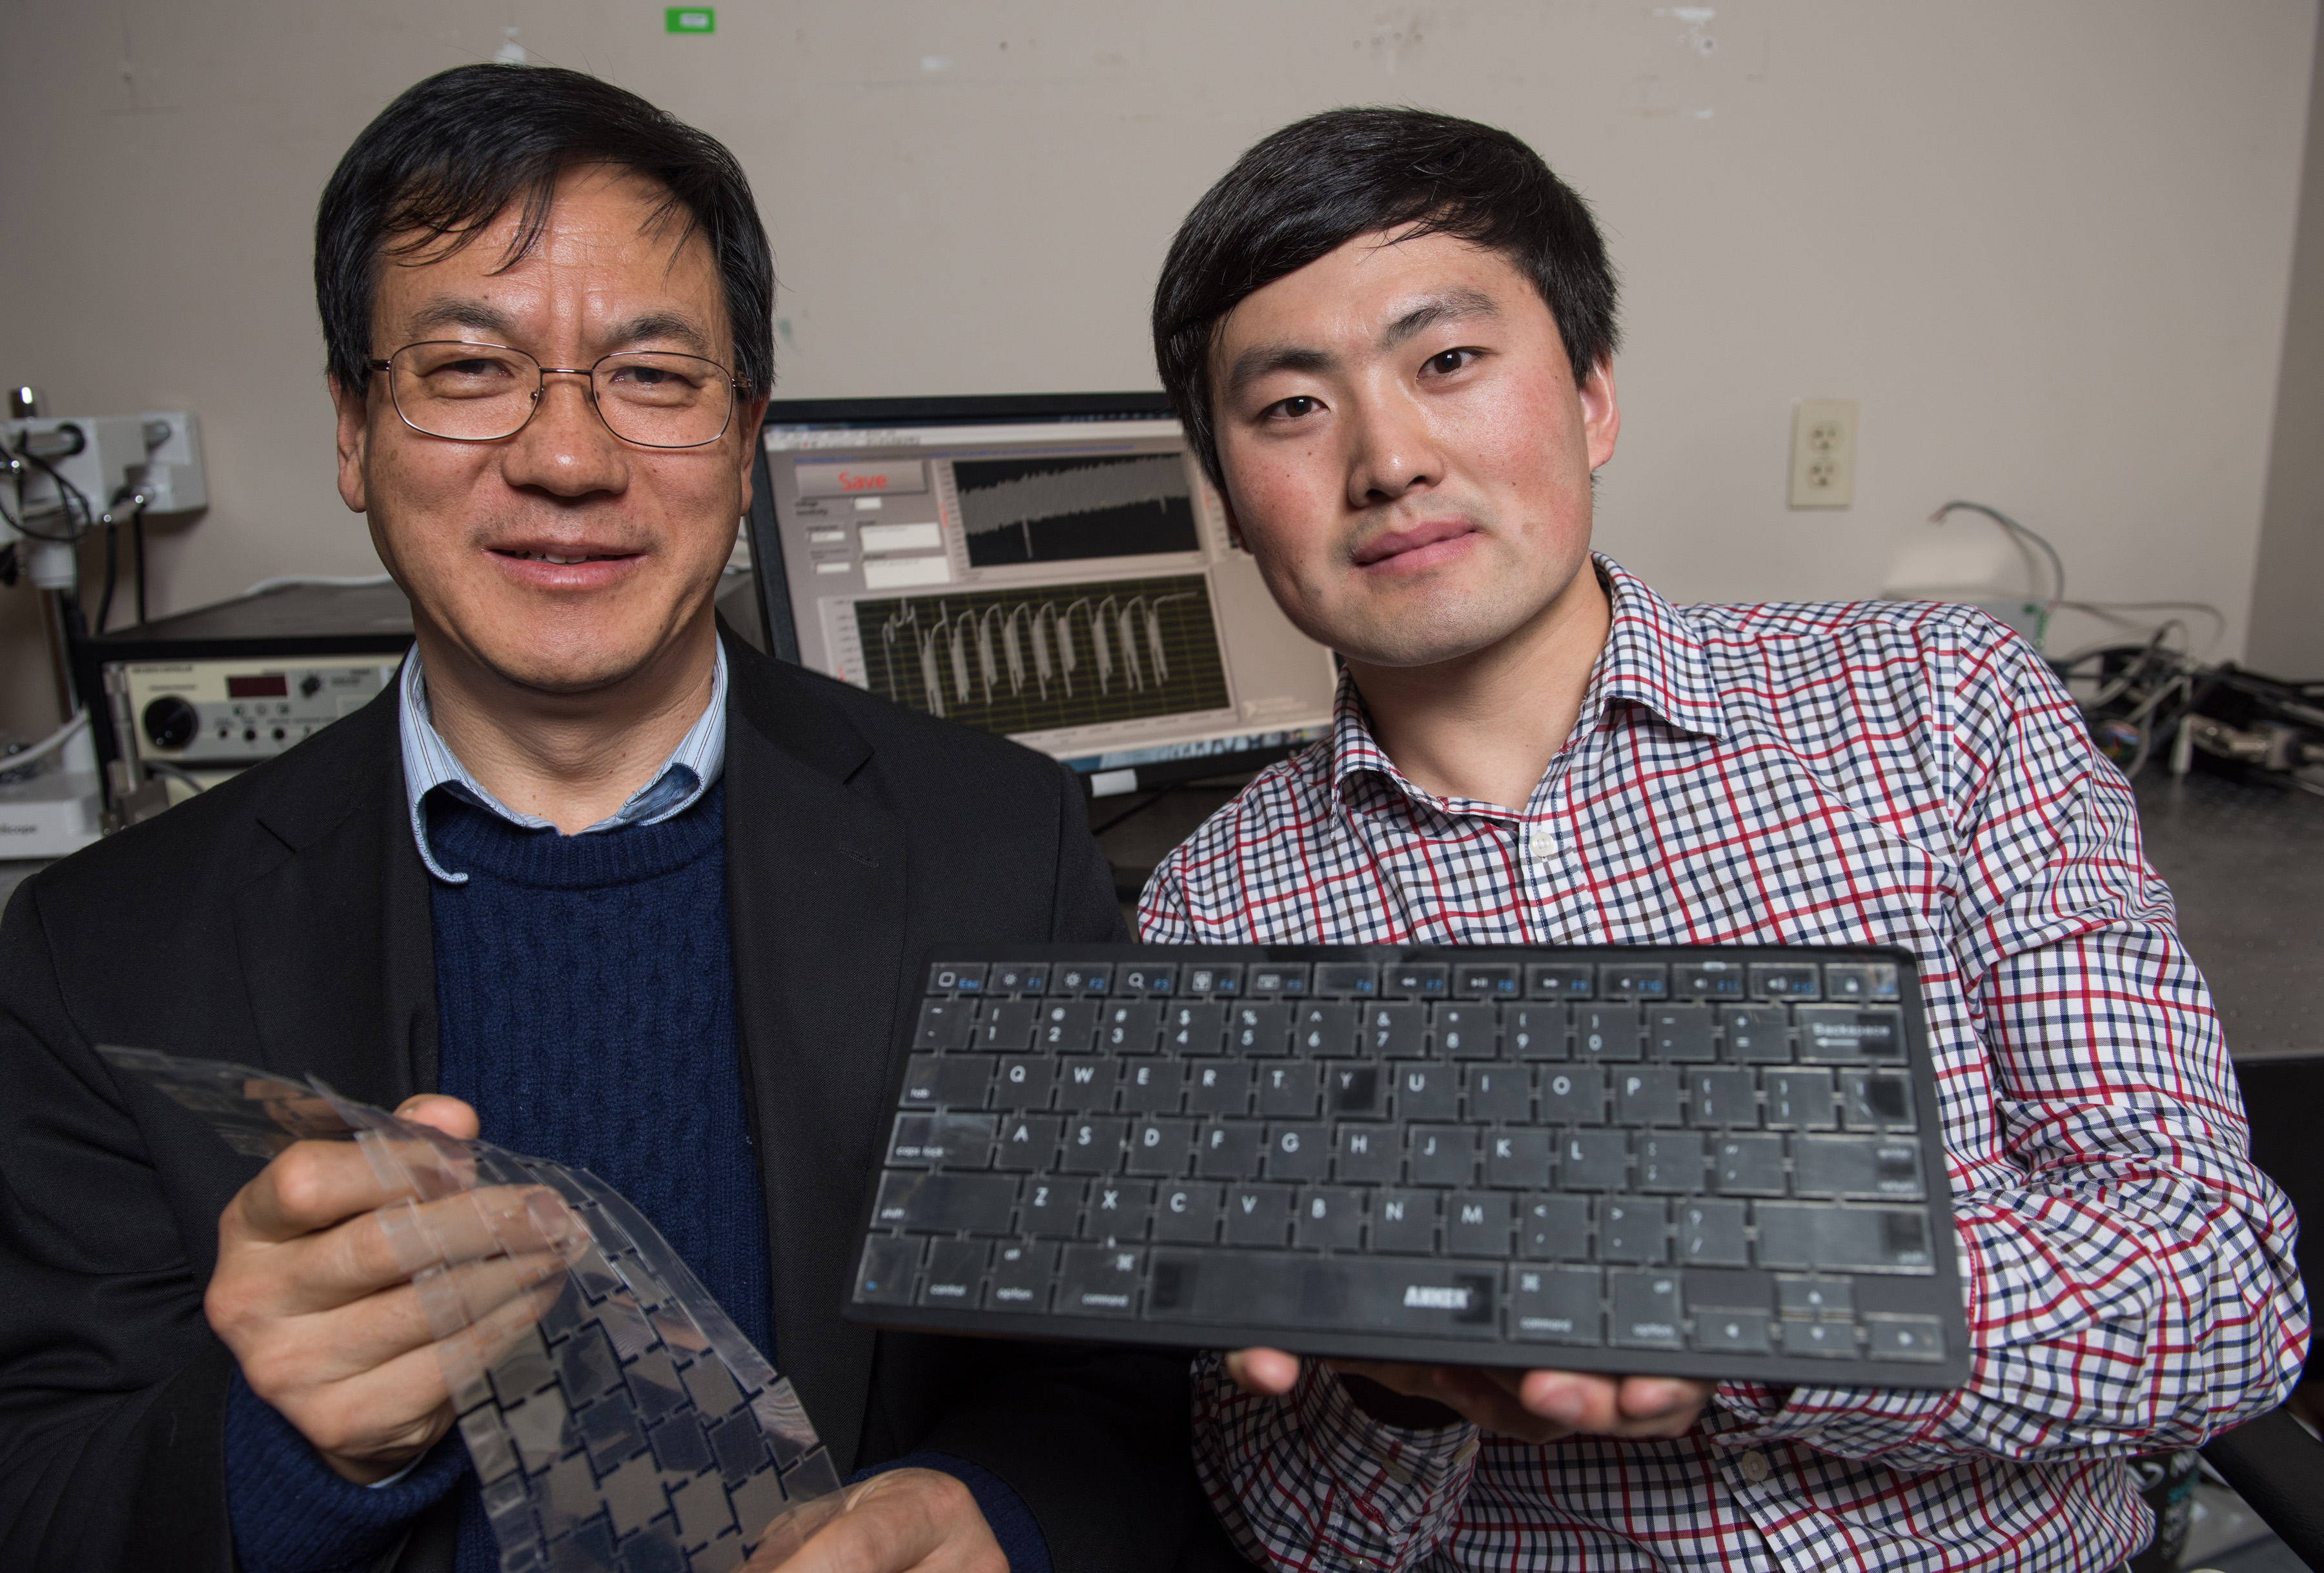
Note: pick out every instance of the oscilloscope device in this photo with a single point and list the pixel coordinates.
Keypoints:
(1052, 567)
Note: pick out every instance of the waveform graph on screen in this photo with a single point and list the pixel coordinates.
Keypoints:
(1062, 510)
(1038, 659)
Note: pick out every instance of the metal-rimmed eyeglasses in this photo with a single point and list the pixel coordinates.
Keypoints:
(482, 392)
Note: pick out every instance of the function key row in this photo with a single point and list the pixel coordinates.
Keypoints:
(1711, 978)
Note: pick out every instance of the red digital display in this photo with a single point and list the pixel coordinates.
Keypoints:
(266, 686)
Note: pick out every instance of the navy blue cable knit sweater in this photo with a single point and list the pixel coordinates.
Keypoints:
(585, 991)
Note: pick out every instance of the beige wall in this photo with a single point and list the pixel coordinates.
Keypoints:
(2045, 245)
(2287, 634)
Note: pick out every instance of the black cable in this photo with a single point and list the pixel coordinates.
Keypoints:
(112, 556)
(65, 489)
(137, 530)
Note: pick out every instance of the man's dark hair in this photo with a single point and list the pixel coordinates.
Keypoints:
(457, 148)
(1313, 185)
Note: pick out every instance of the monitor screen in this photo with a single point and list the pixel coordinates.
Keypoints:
(1056, 569)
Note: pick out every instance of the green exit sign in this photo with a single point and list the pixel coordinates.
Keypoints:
(689, 19)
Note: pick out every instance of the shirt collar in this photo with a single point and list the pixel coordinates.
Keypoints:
(429, 765)
(1654, 659)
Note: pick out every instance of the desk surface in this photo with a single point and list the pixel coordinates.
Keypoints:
(2246, 864)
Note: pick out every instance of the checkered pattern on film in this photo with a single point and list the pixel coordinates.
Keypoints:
(1857, 774)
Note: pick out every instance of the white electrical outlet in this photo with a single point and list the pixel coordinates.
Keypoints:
(1823, 453)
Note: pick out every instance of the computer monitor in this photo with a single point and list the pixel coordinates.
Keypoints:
(1052, 568)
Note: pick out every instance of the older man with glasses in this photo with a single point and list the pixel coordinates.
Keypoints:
(595, 879)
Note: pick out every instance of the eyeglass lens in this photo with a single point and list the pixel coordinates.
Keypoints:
(480, 392)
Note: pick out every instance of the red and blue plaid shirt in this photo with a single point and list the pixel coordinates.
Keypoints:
(1861, 774)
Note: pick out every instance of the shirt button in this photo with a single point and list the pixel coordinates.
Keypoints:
(1542, 842)
(1753, 1465)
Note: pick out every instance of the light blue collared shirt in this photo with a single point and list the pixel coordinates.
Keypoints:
(428, 764)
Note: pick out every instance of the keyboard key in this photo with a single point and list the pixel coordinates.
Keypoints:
(1861, 1167)
(1785, 981)
(955, 1275)
(1851, 980)
(1257, 1215)
(1117, 1210)
(1006, 1025)
(1325, 1031)
(946, 1203)
(1680, 1033)
(1187, 1215)
(1273, 981)
(1799, 1100)
(958, 1141)
(1395, 1032)
(1710, 1235)
(1466, 1031)
(1145, 981)
(1712, 979)
(1477, 1223)
(1553, 1227)
(1094, 1145)
(1194, 1028)
(1348, 979)
(1605, 1032)
(1420, 979)
(1228, 1149)
(1557, 1305)
(1022, 1271)
(1259, 1029)
(950, 977)
(1405, 1221)
(1374, 1152)
(947, 1080)
(1594, 1160)
(1340, 1293)
(1670, 1161)
(1636, 979)
(1534, 1032)
(1052, 1207)
(1443, 1155)
(1756, 1034)
(1356, 1089)
(1085, 1086)
(1647, 1313)
(1221, 1088)
(1836, 1032)
(1025, 1080)
(1813, 1298)
(1029, 1142)
(1735, 1332)
(1561, 980)
(1099, 1281)
(1130, 1026)
(1518, 1159)
(1633, 1229)
(1574, 1097)
(1748, 1165)
(1152, 1086)
(1906, 1337)
(1328, 1218)
(1877, 1100)
(1066, 1026)
(945, 1023)
(1160, 1146)
(1494, 1093)
(1221, 981)
(1843, 1238)
(1080, 979)
(1491, 980)
(1646, 1096)
(1298, 1151)
(1427, 1091)
(1018, 978)
(1722, 1097)
(1291, 1091)
(1832, 1341)
(884, 1275)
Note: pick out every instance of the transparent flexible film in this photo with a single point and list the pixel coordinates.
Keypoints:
(616, 1417)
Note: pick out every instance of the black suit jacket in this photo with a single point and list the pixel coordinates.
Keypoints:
(281, 920)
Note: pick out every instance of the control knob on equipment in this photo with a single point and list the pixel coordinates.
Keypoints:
(171, 722)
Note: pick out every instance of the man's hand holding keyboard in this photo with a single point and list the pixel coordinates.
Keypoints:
(1533, 1406)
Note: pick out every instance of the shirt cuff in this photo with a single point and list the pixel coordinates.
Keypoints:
(292, 1513)
(1005, 1513)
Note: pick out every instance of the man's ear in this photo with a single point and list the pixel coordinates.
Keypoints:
(752, 414)
(1601, 413)
(354, 410)
(1234, 525)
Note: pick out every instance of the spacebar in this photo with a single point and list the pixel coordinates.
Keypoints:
(1266, 1289)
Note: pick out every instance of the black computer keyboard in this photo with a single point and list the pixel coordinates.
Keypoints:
(1689, 1161)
